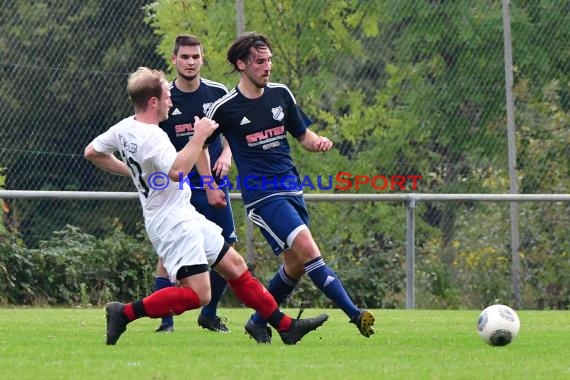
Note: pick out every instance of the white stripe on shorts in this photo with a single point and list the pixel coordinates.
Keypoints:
(294, 234)
(257, 220)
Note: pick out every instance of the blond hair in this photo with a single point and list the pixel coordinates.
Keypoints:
(144, 84)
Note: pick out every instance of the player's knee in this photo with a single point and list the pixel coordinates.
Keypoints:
(160, 269)
(205, 300)
(295, 270)
(204, 296)
(294, 263)
(232, 265)
(236, 260)
(305, 248)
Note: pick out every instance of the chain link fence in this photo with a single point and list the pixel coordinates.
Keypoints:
(402, 88)
(64, 68)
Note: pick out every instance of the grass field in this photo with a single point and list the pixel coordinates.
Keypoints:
(409, 344)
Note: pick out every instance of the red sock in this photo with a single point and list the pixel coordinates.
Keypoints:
(164, 302)
(253, 294)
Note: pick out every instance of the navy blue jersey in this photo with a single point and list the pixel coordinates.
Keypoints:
(256, 130)
(180, 123)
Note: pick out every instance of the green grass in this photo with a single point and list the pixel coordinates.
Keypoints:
(409, 344)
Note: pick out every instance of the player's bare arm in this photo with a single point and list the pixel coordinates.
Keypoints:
(224, 162)
(314, 143)
(107, 162)
(216, 198)
(186, 158)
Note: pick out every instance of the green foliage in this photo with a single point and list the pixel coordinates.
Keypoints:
(480, 269)
(3, 206)
(211, 21)
(16, 270)
(411, 88)
(300, 31)
(400, 87)
(75, 268)
(543, 140)
(545, 250)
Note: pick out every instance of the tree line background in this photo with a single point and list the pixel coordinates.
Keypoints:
(401, 87)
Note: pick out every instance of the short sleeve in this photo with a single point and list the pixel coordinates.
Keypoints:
(297, 121)
(107, 142)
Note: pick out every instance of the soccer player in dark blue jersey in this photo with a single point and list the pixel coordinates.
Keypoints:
(191, 96)
(255, 118)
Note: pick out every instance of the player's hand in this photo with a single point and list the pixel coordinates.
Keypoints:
(322, 144)
(222, 166)
(204, 127)
(216, 197)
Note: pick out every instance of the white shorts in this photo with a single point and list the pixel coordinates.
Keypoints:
(193, 242)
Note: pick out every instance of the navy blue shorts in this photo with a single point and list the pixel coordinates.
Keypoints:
(280, 220)
(223, 217)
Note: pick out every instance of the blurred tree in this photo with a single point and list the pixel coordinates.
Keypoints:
(402, 88)
(64, 67)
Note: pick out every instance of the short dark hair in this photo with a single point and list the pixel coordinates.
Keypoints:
(186, 40)
(241, 47)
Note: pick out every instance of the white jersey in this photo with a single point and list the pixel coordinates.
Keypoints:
(148, 152)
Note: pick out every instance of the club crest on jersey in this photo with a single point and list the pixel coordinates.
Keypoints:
(206, 107)
(278, 113)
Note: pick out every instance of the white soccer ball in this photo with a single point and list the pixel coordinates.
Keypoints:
(498, 325)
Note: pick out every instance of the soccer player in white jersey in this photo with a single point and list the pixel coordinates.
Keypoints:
(187, 243)
(255, 118)
(191, 96)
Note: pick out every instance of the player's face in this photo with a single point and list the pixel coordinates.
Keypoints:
(258, 69)
(188, 62)
(165, 103)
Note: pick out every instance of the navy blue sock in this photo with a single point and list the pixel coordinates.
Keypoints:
(327, 281)
(218, 285)
(161, 283)
(281, 286)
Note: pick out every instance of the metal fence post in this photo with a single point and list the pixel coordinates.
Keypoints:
(512, 155)
(240, 17)
(410, 251)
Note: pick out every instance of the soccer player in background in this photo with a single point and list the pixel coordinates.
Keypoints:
(191, 96)
(187, 243)
(255, 118)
